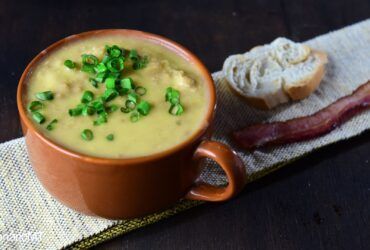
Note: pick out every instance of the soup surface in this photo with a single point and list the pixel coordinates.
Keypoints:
(131, 122)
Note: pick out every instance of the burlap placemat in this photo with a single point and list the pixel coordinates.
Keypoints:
(31, 219)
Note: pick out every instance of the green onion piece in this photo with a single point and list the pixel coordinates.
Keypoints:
(111, 108)
(110, 137)
(69, 64)
(125, 110)
(45, 96)
(143, 107)
(94, 82)
(105, 59)
(110, 94)
(114, 75)
(168, 94)
(176, 109)
(172, 95)
(114, 51)
(88, 68)
(122, 92)
(88, 110)
(101, 68)
(98, 105)
(133, 97)
(126, 84)
(140, 90)
(115, 64)
(140, 63)
(75, 112)
(130, 105)
(87, 96)
(101, 111)
(110, 83)
(38, 117)
(133, 55)
(175, 101)
(102, 118)
(135, 116)
(89, 60)
(51, 124)
(35, 105)
(100, 77)
(87, 135)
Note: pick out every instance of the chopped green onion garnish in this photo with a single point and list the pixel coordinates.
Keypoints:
(114, 75)
(102, 118)
(101, 68)
(100, 77)
(110, 137)
(101, 111)
(89, 60)
(176, 109)
(110, 94)
(88, 110)
(45, 96)
(122, 92)
(111, 108)
(133, 55)
(114, 51)
(87, 96)
(69, 64)
(133, 97)
(75, 112)
(51, 124)
(105, 59)
(130, 105)
(140, 63)
(88, 63)
(94, 82)
(127, 83)
(109, 71)
(175, 101)
(134, 117)
(35, 105)
(38, 117)
(172, 95)
(88, 68)
(98, 105)
(143, 107)
(140, 90)
(110, 83)
(115, 64)
(125, 110)
(87, 135)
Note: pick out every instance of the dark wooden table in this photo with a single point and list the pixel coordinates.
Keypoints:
(319, 202)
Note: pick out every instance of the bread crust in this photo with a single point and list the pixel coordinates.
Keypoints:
(306, 87)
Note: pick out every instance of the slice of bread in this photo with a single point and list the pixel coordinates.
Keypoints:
(275, 73)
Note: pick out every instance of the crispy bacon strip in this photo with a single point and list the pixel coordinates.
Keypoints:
(307, 127)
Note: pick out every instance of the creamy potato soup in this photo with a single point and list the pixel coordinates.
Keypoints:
(116, 97)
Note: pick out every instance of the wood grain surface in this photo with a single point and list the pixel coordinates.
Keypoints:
(319, 202)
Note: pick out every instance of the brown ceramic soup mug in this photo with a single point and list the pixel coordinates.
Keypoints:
(130, 187)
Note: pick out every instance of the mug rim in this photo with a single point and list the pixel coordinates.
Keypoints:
(153, 38)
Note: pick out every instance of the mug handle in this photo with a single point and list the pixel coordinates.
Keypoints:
(229, 162)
